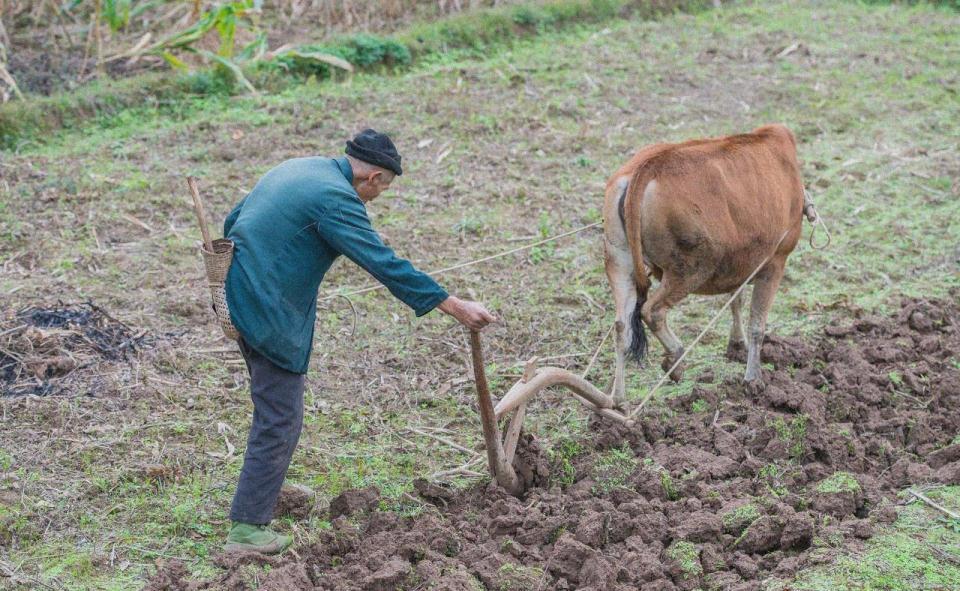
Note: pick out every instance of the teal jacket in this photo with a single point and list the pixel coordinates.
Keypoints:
(287, 232)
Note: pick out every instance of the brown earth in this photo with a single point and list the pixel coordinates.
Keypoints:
(754, 486)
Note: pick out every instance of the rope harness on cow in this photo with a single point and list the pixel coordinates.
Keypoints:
(814, 217)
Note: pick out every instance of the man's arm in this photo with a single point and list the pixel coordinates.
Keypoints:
(347, 229)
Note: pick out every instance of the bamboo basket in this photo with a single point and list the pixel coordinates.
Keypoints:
(217, 263)
(217, 256)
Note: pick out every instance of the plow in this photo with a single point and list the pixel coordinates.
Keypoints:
(502, 449)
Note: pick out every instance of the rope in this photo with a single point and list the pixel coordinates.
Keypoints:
(469, 263)
(597, 352)
(819, 222)
(814, 217)
(709, 325)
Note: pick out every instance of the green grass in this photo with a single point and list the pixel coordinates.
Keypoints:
(739, 519)
(921, 551)
(562, 453)
(514, 577)
(839, 482)
(687, 556)
(793, 433)
(612, 468)
(532, 132)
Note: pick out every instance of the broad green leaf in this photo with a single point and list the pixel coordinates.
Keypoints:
(230, 65)
(325, 58)
(255, 49)
(175, 62)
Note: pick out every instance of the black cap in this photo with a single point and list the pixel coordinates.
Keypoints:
(375, 148)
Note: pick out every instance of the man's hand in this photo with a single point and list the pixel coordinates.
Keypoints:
(470, 314)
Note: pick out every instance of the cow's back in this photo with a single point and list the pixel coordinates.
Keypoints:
(721, 202)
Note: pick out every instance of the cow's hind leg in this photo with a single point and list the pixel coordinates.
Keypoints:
(619, 267)
(737, 345)
(764, 289)
(671, 291)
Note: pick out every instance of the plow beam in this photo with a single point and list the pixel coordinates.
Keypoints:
(525, 389)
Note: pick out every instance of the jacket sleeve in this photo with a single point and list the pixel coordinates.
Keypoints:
(232, 217)
(346, 227)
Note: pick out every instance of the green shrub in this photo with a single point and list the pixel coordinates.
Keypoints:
(363, 51)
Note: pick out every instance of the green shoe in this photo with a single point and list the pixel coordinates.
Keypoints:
(245, 537)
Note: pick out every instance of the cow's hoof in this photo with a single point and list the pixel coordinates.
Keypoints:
(677, 374)
(754, 386)
(737, 351)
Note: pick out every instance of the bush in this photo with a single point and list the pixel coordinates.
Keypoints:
(364, 51)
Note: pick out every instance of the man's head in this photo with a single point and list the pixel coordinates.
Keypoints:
(375, 163)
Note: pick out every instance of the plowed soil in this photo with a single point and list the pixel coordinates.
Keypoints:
(719, 489)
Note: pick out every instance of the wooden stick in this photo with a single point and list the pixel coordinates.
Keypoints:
(605, 412)
(545, 377)
(442, 440)
(597, 352)
(932, 503)
(7, 77)
(201, 217)
(529, 369)
(459, 469)
(499, 468)
(98, 35)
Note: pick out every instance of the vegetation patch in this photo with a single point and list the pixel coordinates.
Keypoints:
(793, 432)
(562, 454)
(33, 119)
(687, 557)
(737, 520)
(515, 577)
(839, 482)
(612, 468)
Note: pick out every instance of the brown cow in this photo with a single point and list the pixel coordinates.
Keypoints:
(701, 215)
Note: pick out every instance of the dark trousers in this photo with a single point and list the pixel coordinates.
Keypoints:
(277, 420)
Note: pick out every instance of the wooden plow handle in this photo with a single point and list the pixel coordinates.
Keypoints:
(501, 469)
(500, 452)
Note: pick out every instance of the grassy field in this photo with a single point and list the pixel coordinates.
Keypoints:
(501, 150)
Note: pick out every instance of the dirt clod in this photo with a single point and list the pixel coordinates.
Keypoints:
(295, 500)
(352, 501)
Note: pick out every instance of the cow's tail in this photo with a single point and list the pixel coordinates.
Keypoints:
(638, 341)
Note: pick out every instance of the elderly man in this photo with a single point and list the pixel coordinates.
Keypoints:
(298, 219)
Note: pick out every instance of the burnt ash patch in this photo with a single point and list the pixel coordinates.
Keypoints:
(59, 350)
(726, 488)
